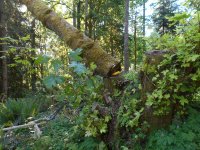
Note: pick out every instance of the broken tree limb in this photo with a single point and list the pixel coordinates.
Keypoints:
(29, 124)
(36, 122)
(92, 52)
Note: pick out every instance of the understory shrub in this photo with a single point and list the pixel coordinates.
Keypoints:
(181, 135)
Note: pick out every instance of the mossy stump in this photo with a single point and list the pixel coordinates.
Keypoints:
(153, 58)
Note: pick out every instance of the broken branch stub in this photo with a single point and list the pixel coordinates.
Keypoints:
(92, 52)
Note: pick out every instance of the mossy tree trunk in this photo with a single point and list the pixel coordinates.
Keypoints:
(92, 52)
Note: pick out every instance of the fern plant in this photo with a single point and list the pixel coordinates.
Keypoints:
(17, 110)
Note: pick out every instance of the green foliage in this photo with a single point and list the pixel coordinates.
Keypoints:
(184, 135)
(163, 10)
(63, 134)
(79, 68)
(75, 55)
(42, 59)
(53, 80)
(17, 111)
(88, 89)
(55, 76)
(130, 111)
(176, 78)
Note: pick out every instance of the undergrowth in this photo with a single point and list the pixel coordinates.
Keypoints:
(180, 136)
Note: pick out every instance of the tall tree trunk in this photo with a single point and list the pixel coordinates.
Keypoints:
(135, 41)
(3, 28)
(79, 15)
(74, 13)
(92, 52)
(1, 46)
(5, 73)
(126, 47)
(144, 25)
(86, 17)
(90, 20)
(33, 75)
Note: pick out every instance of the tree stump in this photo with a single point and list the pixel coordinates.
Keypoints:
(153, 58)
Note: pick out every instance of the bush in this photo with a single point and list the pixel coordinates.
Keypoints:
(63, 134)
(180, 136)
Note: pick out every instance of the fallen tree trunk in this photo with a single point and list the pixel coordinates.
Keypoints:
(92, 52)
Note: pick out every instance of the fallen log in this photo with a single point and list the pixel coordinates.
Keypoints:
(92, 51)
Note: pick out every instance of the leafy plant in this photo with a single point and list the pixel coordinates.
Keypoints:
(17, 111)
(176, 78)
(182, 135)
(130, 111)
(63, 134)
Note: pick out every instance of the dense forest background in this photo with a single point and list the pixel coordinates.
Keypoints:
(55, 95)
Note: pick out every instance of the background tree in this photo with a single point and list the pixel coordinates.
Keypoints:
(144, 24)
(163, 9)
(126, 47)
(3, 51)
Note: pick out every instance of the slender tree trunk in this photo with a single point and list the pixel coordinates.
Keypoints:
(92, 52)
(1, 46)
(74, 13)
(33, 75)
(144, 25)
(86, 17)
(5, 74)
(3, 28)
(41, 65)
(135, 41)
(90, 21)
(79, 15)
(198, 47)
(111, 45)
(126, 47)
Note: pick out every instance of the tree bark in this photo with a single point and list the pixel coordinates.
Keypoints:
(126, 48)
(74, 13)
(92, 52)
(86, 17)
(33, 43)
(153, 58)
(90, 28)
(79, 15)
(3, 48)
(135, 40)
(144, 25)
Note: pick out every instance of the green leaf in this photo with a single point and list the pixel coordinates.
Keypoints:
(42, 59)
(93, 66)
(57, 64)
(103, 128)
(75, 55)
(183, 101)
(26, 38)
(52, 80)
(79, 68)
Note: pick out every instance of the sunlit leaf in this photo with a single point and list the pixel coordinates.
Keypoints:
(79, 68)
